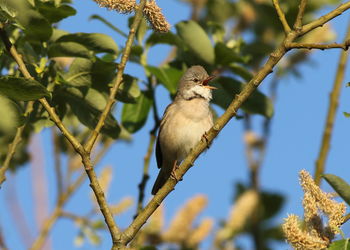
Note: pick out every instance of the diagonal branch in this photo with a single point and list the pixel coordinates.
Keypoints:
(299, 19)
(230, 112)
(332, 111)
(324, 19)
(281, 16)
(121, 66)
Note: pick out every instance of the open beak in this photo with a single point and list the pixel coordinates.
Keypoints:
(206, 81)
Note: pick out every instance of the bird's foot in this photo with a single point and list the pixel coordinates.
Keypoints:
(173, 174)
(205, 139)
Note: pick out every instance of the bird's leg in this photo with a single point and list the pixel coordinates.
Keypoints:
(173, 174)
(205, 139)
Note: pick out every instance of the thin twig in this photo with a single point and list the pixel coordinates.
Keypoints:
(332, 111)
(13, 145)
(152, 83)
(57, 160)
(281, 16)
(344, 46)
(230, 112)
(324, 19)
(145, 175)
(118, 80)
(299, 20)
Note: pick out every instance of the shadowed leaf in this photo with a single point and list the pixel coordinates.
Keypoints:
(22, 89)
(128, 90)
(11, 116)
(134, 116)
(228, 88)
(169, 77)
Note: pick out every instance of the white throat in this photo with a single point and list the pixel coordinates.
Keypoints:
(197, 92)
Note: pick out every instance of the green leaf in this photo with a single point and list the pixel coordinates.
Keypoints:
(339, 185)
(68, 49)
(54, 13)
(96, 42)
(79, 73)
(88, 114)
(168, 76)
(340, 245)
(85, 72)
(346, 114)
(196, 40)
(241, 71)
(228, 88)
(164, 38)
(129, 90)
(225, 55)
(22, 89)
(35, 26)
(11, 116)
(271, 204)
(134, 116)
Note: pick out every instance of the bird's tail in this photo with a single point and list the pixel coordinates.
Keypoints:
(160, 181)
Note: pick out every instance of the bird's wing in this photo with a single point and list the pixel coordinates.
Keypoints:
(159, 155)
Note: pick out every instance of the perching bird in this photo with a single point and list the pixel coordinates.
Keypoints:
(184, 122)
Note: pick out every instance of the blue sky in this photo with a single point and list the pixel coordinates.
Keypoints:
(297, 128)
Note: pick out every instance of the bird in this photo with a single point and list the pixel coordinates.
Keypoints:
(184, 122)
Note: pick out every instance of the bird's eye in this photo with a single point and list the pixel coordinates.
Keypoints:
(196, 80)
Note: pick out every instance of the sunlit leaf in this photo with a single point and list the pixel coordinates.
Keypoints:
(196, 40)
(68, 49)
(346, 114)
(339, 185)
(96, 42)
(134, 116)
(22, 89)
(340, 245)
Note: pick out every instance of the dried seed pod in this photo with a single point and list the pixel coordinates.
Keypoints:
(122, 6)
(155, 17)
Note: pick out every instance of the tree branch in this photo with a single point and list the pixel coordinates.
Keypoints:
(230, 112)
(121, 66)
(299, 19)
(94, 184)
(13, 145)
(332, 111)
(344, 46)
(324, 19)
(281, 16)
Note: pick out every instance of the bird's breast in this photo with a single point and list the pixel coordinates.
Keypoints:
(185, 126)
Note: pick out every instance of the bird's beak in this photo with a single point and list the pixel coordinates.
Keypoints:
(206, 81)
